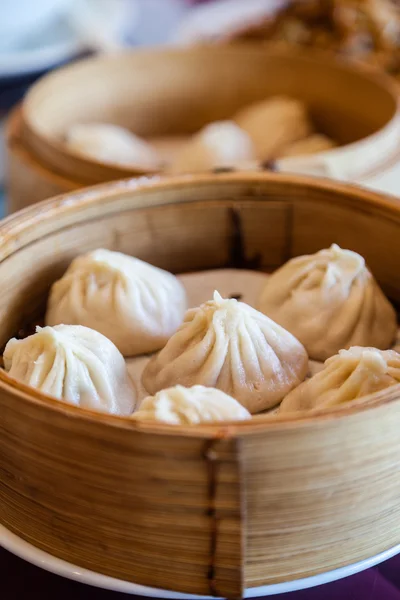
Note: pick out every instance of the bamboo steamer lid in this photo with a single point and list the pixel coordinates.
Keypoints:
(209, 509)
(168, 92)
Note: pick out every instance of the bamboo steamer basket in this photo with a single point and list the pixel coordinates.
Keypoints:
(207, 509)
(28, 180)
(175, 92)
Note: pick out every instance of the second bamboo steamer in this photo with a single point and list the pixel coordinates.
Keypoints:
(175, 92)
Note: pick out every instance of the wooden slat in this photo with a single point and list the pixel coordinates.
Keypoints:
(122, 502)
(322, 495)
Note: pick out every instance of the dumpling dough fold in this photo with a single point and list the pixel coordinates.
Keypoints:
(190, 406)
(137, 306)
(329, 301)
(349, 375)
(74, 364)
(230, 346)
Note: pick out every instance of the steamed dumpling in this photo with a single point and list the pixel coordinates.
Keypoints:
(137, 306)
(220, 144)
(228, 345)
(329, 301)
(112, 144)
(310, 145)
(273, 124)
(74, 364)
(349, 375)
(190, 406)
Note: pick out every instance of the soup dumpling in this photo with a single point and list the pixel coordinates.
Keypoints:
(220, 144)
(74, 364)
(314, 144)
(190, 406)
(109, 143)
(347, 376)
(136, 305)
(273, 124)
(329, 301)
(228, 345)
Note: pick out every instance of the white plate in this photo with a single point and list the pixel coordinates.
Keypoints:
(26, 551)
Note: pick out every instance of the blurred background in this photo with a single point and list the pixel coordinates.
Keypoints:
(359, 130)
(37, 36)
